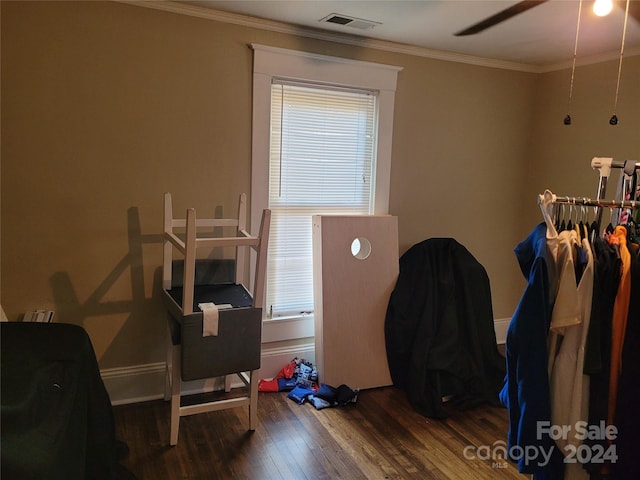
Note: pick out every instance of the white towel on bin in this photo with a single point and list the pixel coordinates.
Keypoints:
(209, 319)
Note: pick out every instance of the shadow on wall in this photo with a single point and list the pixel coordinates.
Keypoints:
(141, 325)
(67, 303)
(137, 308)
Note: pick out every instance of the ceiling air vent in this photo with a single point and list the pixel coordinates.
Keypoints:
(358, 23)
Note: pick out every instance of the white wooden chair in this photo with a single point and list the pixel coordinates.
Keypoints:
(235, 349)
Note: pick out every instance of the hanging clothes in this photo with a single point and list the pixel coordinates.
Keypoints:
(575, 336)
(620, 312)
(573, 260)
(627, 466)
(526, 389)
(598, 350)
(569, 385)
(566, 312)
(565, 322)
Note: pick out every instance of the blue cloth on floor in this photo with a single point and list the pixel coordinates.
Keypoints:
(318, 402)
(285, 384)
(327, 392)
(299, 394)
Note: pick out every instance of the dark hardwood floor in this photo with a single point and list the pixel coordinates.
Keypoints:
(379, 437)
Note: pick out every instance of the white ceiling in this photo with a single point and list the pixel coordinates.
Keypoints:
(542, 36)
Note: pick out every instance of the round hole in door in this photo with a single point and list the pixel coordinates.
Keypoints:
(361, 248)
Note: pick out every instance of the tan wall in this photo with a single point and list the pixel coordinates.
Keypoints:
(461, 135)
(105, 106)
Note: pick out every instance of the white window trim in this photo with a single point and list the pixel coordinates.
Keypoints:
(270, 62)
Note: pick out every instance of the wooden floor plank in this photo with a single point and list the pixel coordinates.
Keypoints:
(335, 460)
(379, 437)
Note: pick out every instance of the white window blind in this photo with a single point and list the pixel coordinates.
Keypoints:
(321, 161)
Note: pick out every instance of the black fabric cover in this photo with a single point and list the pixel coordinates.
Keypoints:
(439, 329)
(237, 346)
(229, 293)
(57, 421)
(208, 271)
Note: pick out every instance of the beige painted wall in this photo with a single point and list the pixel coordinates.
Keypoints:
(105, 106)
(461, 137)
(560, 155)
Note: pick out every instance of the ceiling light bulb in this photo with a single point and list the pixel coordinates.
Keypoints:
(602, 7)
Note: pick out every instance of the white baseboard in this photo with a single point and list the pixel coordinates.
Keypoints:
(274, 359)
(500, 325)
(141, 383)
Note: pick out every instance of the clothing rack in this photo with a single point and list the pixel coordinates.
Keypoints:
(588, 202)
(604, 165)
(551, 198)
(626, 199)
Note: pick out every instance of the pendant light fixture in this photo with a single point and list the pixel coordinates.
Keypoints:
(602, 8)
(567, 119)
(614, 118)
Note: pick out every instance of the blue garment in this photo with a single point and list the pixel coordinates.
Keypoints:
(299, 394)
(526, 389)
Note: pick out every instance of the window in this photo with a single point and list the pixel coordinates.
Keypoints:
(321, 161)
(321, 144)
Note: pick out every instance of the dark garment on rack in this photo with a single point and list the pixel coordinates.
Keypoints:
(598, 347)
(526, 390)
(439, 330)
(607, 265)
(627, 421)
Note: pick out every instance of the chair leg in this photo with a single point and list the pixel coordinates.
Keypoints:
(227, 383)
(168, 373)
(175, 394)
(253, 399)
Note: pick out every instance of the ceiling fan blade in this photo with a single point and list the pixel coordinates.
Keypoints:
(499, 17)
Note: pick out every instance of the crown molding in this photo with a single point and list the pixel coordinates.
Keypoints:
(363, 42)
(590, 60)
